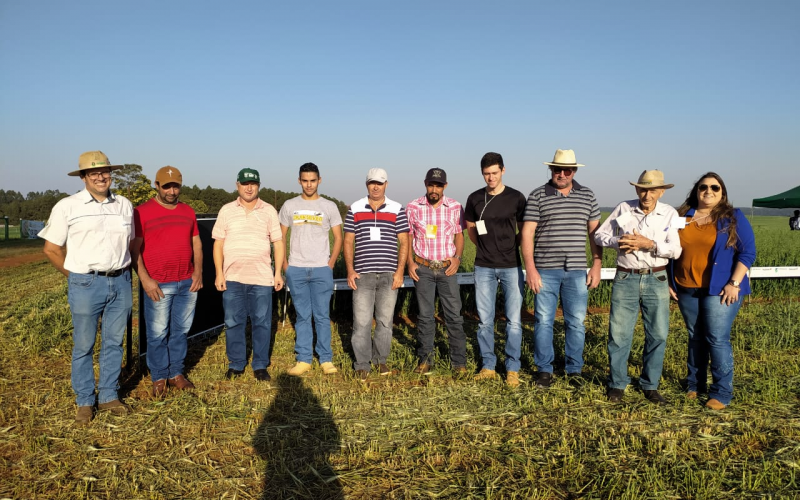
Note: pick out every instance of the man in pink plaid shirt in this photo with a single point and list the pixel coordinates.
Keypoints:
(437, 225)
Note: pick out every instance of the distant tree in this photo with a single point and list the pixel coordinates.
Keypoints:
(214, 198)
(131, 183)
(198, 206)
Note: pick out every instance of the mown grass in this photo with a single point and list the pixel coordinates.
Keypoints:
(400, 437)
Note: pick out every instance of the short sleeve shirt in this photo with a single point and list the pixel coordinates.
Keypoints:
(97, 234)
(561, 230)
(310, 221)
(167, 235)
(247, 237)
(376, 234)
(433, 229)
(502, 215)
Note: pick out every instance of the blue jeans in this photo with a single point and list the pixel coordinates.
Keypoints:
(311, 289)
(486, 279)
(571, 286)
(168, 321)
(709, 323)
(450, 300)
(90, 297)
(374, 294)
(651, 292)
(240, 301)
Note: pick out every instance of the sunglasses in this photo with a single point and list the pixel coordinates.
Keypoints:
(705, 187)
(566, 170)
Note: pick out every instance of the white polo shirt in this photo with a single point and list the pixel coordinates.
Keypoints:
(97, 234)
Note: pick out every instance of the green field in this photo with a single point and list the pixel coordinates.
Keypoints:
(403, 436)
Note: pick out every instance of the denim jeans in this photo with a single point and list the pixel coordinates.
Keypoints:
(90, 297)
(311, 289)
(486, 279)
(709, 323)
(374, 294)
(240, 301)
(651, 292)
(168, 321)
(571, 286)
(450, 300)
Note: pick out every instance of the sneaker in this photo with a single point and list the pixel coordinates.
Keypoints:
(232, 374)
(615, 395)
(423, 369)
(691, 395)
(362, 375)
(115, 407)
(261, 374)
(486, 374)
(181, 382)
(159, 388)
(300, 368)
(328, 368)
(512, 379)
(655, 397)
(83, 415)
(544, 380)
(715, 404)
(384, 370)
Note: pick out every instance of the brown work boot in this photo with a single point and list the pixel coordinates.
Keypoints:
(159, 388)
(328, 368)
(115, 407)
(181, 382)
(512, 379)
(460, 371)
(84, 415)
(715, 404)
(691, 395)
(384, 370)
(362, 375)
(423, 369)
(300, 368)
(486, 374)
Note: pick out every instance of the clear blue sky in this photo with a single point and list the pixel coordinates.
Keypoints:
(682, 86)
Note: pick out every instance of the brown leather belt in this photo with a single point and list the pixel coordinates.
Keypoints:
(432, 264)
(647, 270)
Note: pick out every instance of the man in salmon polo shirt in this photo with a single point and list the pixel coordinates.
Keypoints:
(244, 230)
(168, 257)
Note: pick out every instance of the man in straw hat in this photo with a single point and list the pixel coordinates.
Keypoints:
(644, 232)
(244, 230)
(87, 239)
(168, 257)
(557, 218)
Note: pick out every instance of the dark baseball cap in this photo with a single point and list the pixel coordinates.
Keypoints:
(436, 175)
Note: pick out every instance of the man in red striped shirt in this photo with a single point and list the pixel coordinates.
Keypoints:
(168, 257)
(437, 225)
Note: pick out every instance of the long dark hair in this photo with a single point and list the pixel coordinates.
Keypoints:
(723, 210)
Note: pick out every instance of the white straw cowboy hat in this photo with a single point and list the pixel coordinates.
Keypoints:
(564, 158)
(651, 179)
(93, 159)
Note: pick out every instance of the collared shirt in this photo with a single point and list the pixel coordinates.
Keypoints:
(167, 250)
(660, 225)
(561, 229)
(97, 234)
(246, 241)
(433, 229)
(376, 234)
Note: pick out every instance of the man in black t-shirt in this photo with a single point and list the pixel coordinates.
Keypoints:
(493, 216)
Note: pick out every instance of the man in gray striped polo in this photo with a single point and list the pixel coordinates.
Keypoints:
(558, 216)
(375, 250)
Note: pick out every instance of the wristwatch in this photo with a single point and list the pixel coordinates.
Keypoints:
(734, 283)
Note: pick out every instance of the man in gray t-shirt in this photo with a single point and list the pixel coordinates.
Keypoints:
(309, 272)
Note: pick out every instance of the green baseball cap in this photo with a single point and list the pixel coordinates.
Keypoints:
(248, 175)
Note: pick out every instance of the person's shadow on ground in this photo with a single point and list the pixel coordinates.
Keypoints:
(295, 439)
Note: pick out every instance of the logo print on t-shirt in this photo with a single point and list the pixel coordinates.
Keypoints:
(300, 217)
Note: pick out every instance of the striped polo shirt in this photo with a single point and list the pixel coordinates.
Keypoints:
(561, 230)
(376, 234)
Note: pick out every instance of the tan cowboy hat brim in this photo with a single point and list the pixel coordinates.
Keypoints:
(78, 172)
(650, 186)
(554, 164)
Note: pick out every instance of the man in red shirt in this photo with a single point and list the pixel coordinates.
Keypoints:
(168, 257)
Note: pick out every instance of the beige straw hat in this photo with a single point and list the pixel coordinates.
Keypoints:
(564, 158)
(652, 179)
(93, 159)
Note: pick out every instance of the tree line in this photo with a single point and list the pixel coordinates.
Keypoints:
(130, 182)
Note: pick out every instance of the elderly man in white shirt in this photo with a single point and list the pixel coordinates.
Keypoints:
(644, 232)
(87, 240)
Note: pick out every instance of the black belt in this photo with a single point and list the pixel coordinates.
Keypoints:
(433, 264)
(646, 270)
(109, 274)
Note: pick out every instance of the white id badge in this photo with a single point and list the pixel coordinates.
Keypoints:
(481, 227)
(374, 234)
(679, 223)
